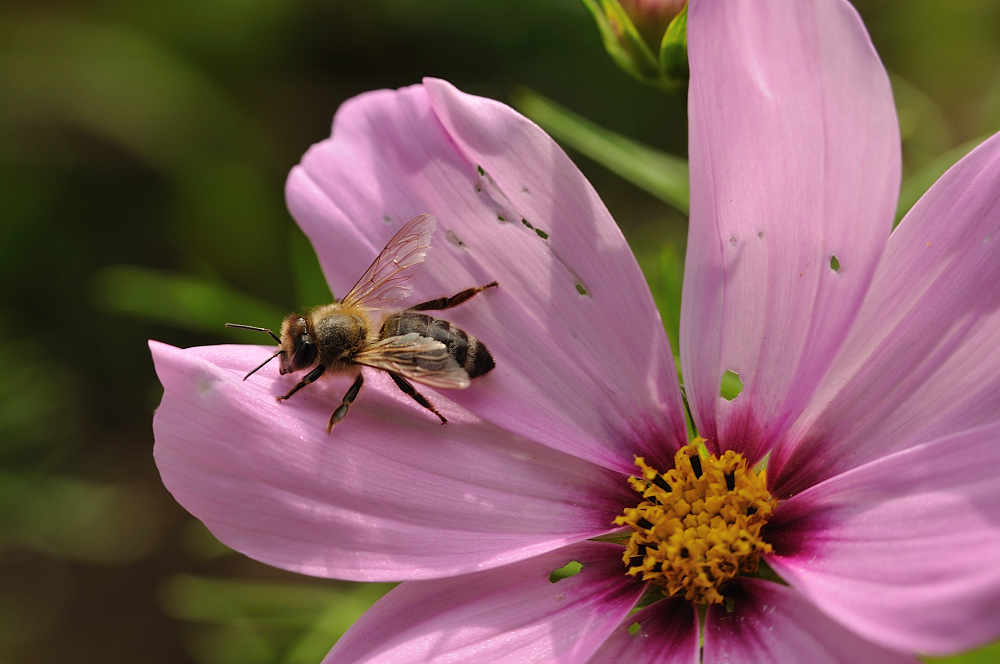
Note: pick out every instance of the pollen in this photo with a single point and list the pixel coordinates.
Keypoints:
(698, 524)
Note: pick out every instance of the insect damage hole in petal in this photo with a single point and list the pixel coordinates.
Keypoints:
(921, 360)
(798, 90)
(509, 615)
(572, 568)
(576, 249)
(597, 392)
(730, 386)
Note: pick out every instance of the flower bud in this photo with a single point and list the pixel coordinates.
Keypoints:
(652, 17)
(647, 38)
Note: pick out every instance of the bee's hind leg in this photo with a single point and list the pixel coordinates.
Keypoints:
(408, 389)
(447, 303)
(352, 394)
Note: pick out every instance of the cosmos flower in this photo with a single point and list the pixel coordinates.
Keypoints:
(870, 366)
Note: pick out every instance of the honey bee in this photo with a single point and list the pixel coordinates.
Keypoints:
(341, 337)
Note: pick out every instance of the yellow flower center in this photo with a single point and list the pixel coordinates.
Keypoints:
(698, 524)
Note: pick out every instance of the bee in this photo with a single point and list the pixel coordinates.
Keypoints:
(341, 337)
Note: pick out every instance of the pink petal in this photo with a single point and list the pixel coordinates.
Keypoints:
(589, 374)
(666, 632)
(389, 495)
(923, 358)
(795, 158)
(511, 614)
(903, 550)
(773, 623)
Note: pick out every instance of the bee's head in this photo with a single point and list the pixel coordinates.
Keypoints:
(298, 351)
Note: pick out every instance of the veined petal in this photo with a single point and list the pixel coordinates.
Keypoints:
(666, 632)
(583, 363)
(923, 358)
(795, 159)
(773, 623)
(903, 550)
(389, 495)
(511, 614)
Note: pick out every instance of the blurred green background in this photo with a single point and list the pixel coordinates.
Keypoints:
(143, 151)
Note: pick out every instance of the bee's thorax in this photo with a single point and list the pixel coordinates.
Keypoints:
(340, 334)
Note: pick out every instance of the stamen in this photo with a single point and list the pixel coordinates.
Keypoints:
(662, 483)
(696, 464)
(697, 525)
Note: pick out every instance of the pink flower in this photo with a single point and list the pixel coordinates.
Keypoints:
(874, 387)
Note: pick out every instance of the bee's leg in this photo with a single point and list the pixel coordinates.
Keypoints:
(310, 377)
(448, 302)
(348, 399)
(408, 389)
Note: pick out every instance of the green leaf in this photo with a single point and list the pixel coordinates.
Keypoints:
(661, 174)
(673, 49)
(664, 272)
(280, 622)
(199, 542)
(181, 301)
(988, 655)
(226, 601)
(667, 292)
(915, 187)
(923, 127)
(331, 625)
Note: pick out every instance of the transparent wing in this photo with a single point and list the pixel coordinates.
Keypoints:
(386, 279)
(422, 359)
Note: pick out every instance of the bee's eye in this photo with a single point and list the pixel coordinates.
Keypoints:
(305, 353)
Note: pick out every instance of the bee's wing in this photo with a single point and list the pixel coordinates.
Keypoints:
(422, 359)
(386, 279)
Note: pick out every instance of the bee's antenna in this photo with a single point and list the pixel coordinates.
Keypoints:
(256, 329)
(259, 329)
(261, 365)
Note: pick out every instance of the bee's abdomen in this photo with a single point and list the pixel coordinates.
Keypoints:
(470, 353)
